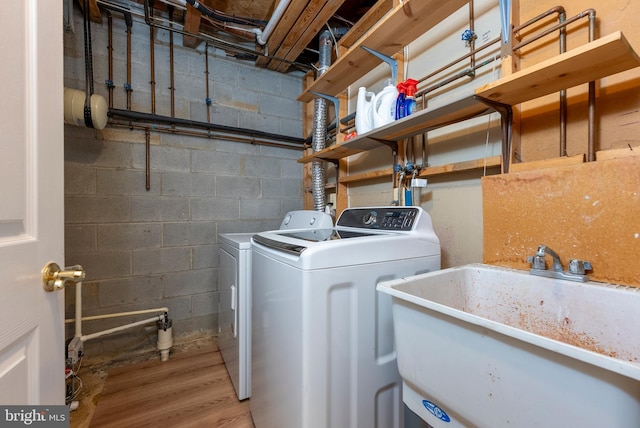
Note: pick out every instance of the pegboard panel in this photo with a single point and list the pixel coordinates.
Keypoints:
(588, 211)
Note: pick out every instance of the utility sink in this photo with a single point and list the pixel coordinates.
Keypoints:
(485, 346)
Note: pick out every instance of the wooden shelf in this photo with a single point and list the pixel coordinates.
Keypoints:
(418, 123)
(603, 57)
(402, 25)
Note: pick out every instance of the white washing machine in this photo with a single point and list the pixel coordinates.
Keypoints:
(234, 312)
(323, 352)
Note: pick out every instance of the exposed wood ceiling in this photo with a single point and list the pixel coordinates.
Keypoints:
(294, 39)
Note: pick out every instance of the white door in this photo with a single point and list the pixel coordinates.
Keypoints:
(31, 204)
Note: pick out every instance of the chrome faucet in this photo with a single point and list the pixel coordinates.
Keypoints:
(576, 268)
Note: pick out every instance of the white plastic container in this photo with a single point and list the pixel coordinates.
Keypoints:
(363, 111)
(384, 106)
(485, 346)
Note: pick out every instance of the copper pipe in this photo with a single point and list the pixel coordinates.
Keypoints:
(472, 40)
(128, 88)
(110, 50)
(171, 71)
(147, 137)
(152, 63)
(206, 74)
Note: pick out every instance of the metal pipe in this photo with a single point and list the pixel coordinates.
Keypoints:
(591, 149)
(128, 89)
(462, 58)
(152, 61)
(147, 158)
(174, 121)
(320, 126)
(110, 56)
(171, 71)
(206, 74)
(472, 40)
(203, 133)
(591, 14)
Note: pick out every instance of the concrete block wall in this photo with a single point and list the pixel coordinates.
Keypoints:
(153, 248)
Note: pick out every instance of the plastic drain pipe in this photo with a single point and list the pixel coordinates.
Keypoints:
(164, 324)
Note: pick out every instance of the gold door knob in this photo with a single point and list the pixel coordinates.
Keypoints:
(54, 278)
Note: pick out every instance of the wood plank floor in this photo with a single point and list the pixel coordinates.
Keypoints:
(192, 389)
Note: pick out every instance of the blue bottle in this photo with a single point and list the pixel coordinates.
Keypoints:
(400, 102)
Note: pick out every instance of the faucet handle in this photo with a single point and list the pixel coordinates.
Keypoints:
(537, 262)
(578, 267)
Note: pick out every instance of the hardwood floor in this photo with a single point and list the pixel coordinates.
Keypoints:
(192, 389)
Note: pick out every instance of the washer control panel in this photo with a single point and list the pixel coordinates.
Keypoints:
(381, 218)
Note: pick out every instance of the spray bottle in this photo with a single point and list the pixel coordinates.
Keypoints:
(411, 87)
(400, 101)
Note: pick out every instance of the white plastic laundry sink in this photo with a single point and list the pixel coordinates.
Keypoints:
(485, 346)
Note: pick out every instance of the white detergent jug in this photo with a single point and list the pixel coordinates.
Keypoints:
(364, 112)
(384, 106)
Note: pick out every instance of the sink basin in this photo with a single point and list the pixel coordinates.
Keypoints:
(485, 346)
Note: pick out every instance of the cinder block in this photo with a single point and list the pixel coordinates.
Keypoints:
(205, 304)
(274, 105)
(179, 310)
(159, 208)
(102, 265)
(259, 122)
(291, 169)
(272, 188)
(191, 282)
(205, 256)
(291, 188)
(129, 236)
(281, 152)
(79, 180)
(176, 183)
(248, 225)
(242, 187)
(96, 209)
(161, 260)
(261, 208)
(292, 205)
(126, 182)
(240, 148)
(222, 115)
(291, 127)
(162, 158)
(97, 153)
(203, 185)
(260, 167)
(215, 162)
(187, 234)
(80, 239)
(208, 209)
(130, 290)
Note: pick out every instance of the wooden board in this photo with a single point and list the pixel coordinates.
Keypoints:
(603, 57)
(402, 25)
(588, 211)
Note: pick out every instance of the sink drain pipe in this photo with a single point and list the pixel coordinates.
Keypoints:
(320, 119)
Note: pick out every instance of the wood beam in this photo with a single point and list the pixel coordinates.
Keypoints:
(191, 25)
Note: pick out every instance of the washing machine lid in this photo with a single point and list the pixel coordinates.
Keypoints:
(297, 241)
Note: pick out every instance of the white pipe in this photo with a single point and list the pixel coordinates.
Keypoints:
(263, 35)
(120, 328)
(119, 314)
(78, 309)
